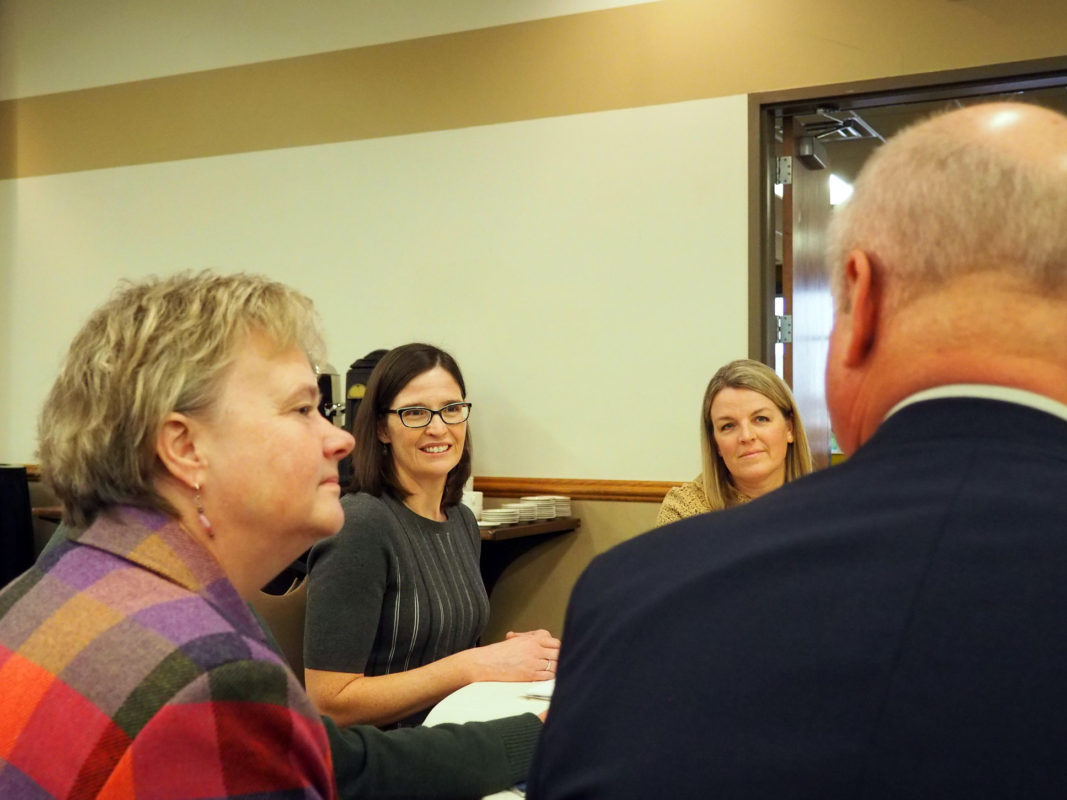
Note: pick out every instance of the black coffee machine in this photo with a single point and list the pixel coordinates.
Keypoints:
(331, 405)
(356, 380)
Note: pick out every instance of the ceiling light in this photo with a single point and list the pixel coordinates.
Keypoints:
(840, 190)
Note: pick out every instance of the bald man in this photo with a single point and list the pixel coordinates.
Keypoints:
(894, 627)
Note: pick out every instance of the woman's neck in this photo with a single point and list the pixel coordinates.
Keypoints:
(426, 501)
(750, 491)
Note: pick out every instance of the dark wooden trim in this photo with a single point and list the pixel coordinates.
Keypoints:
(761, 243)
(946, 84)
(575, 488)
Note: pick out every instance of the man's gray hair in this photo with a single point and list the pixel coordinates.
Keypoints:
(935, 203)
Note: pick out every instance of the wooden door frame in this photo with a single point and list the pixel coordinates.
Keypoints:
(762, 110)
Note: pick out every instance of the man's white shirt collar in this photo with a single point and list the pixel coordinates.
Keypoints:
(986, 392)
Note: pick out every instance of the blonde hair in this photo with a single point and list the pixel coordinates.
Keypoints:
(156, 346)
(748, 374)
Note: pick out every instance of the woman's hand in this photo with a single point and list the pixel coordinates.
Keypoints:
(523, 656)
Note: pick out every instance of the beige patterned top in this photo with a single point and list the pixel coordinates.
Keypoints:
(683, 501)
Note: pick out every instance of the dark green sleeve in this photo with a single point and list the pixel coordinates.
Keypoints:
(443, 761)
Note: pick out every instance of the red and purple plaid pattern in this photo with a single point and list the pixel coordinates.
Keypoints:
(130, 667)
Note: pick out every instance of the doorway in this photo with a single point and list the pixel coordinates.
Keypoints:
(812, 144)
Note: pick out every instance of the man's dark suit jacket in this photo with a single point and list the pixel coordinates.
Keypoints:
(893, 627)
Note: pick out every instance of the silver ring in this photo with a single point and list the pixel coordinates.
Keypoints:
(548, 665)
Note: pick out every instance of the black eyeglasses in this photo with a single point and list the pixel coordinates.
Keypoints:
(420, 416)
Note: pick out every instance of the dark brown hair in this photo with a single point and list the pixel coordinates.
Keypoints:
(373, 470)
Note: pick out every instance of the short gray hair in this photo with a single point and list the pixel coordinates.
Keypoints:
(156, 346)
(933, 204)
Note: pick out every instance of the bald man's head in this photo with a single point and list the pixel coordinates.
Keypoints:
(950, 264)
(976, 189)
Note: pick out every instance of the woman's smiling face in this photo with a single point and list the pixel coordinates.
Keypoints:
(423, 457)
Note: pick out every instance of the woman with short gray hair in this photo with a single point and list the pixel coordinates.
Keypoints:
(132, 663)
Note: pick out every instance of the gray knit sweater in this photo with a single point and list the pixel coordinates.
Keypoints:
(393, 591)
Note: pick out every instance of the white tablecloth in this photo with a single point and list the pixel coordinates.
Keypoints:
(491, 700)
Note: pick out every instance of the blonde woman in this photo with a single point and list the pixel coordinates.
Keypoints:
(183, 437)
(752, 441)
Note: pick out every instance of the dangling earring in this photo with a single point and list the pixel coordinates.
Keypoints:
(204, 521)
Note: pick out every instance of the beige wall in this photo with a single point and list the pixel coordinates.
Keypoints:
(582, 162)
(565, 262)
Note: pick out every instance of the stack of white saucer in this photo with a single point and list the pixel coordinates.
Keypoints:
(546, 506)
(563, 505)
(492, 517)
(550, 505)
(527, 510)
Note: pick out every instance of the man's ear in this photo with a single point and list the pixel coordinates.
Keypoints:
(176, 448)
(861, 286)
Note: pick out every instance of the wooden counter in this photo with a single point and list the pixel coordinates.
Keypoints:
(49, 513)
(518, 530)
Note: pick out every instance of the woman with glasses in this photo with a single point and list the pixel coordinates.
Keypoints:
(396, 603)
(751, 438)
